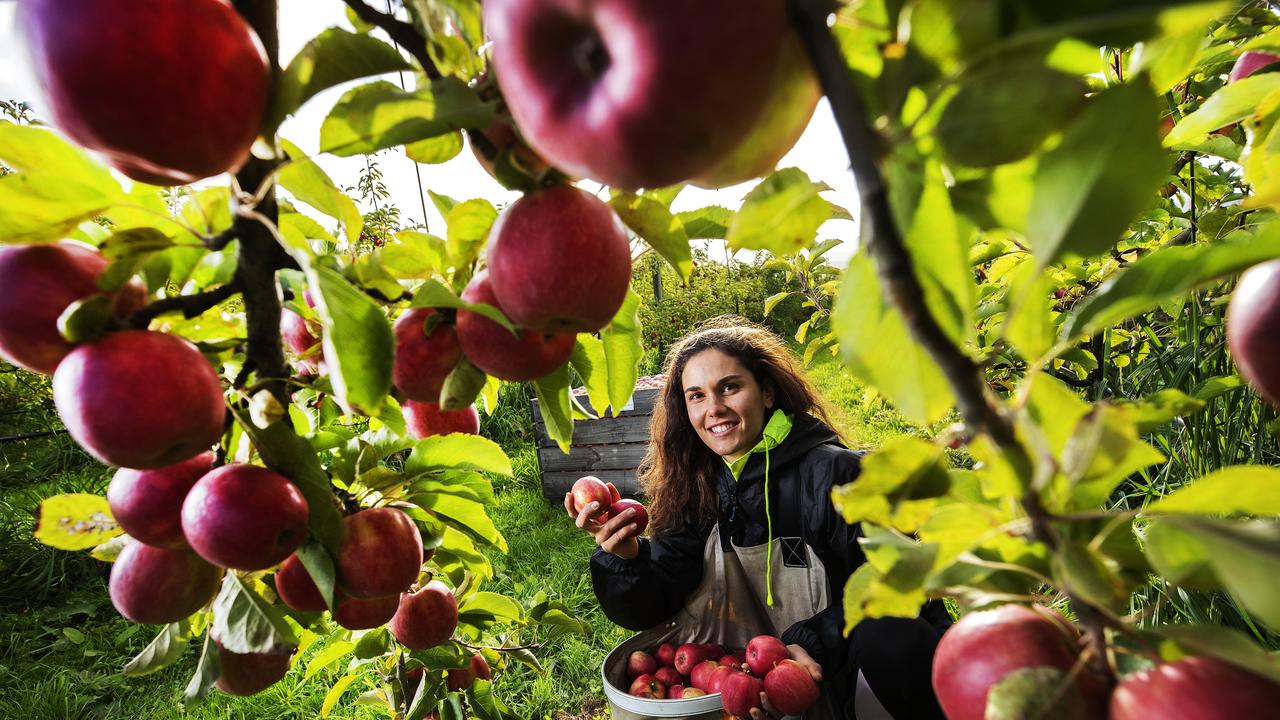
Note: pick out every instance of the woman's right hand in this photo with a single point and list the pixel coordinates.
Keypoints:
(618, 536)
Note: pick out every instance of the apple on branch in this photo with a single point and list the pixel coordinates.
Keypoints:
(244, 517)
(495, 350)
(148, 503)
(426, 618)
(424, 419)
(426, 351)
(155, 586)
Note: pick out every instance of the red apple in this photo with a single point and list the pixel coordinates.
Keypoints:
(983, 647)
(1195, 688)
(688, 656)
(668, 676)
(715, 651)
(426, 419)
(640, 663)
(641, 517)
(523, 165)
(381, 553)
(129, 79)
(148, 503)
(250, 673)
(790, 687)
(1251, 62)
(300, 337)
(636, 93)
(37, 283)
(675, 691)
(588, 489)
(700, 677)
(732, 661)
(1253, 328)
(493, 348)
(646, 686)
(666, 653)
(765, 651)
(426, 351)
(740, 693)
(244, 517)
(718, 676)
(462, 678)
(426, 618)
(156, 585)
(364, 613)
(534, 285)
(296, 588)
(140, 399)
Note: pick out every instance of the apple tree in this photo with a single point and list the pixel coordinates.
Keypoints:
(1033, 180)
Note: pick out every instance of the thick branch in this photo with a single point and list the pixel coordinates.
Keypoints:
(402, 33)
(189, 305)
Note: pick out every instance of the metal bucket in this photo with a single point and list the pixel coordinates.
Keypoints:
(613, 673)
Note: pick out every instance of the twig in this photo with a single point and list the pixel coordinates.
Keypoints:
(401, 32)
(500, 648)
(30, 436)
(221, 240)
(189, 305)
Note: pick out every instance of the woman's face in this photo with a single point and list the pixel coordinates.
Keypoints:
(725, 403)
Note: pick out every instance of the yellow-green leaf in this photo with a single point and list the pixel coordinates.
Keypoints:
(75, 521)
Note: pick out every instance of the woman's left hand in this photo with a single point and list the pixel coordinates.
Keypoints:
(800, 655)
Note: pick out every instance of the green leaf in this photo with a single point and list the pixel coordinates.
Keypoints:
(708, 223)
(781, 214)
(489, 605)
(772, 301)
(332, 653)
(304, 179)
(436, 150)
(1103, 450)
(1082, 572)
(1169, 59)
(588, 361)
(358, 342)
(902, 470)
(26, 148)
(1179, 556)
(457, 451)
(414, 255)
(1231, 103)
(435, 294)
(75, 521)
(333, 57)
(987, 123)
(1240, 490)
(940, 257)
(243, 622)
(1105, 171)
(167, 648)
(380, 115)
(335, 693)
(878, 348)
(42, 206)
(207, 671)
(1164, 274)
(468, 516)
(622, 352)
(85, 319)
(1154, 411)
(553, 403)
(655, 224)
(1027, 693)
(373, 643)
(1246, 558)
(867, 596)
(286, 453)
(469, 223)
(319, 565)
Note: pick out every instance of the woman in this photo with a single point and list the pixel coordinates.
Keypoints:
(743, 536)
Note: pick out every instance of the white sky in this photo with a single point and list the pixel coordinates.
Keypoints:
(819, 151)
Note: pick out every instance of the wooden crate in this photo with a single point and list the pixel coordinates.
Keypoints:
(609, 447)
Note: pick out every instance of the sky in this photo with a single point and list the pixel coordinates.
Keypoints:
(819, 151)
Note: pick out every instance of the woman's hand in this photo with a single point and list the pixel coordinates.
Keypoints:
(800, 655)
(618, 535)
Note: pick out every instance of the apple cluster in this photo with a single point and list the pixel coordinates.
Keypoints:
(986, 647)
(589, 489)
(739, 676)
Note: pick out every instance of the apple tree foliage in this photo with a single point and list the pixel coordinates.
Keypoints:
(1018, 202)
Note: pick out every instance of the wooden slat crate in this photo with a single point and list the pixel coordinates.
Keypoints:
(609, 447)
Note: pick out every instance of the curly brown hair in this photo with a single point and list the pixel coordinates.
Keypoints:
(678, 470)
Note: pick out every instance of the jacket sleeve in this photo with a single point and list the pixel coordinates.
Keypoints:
(651, 588)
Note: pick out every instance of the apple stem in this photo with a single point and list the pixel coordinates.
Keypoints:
(402, 33)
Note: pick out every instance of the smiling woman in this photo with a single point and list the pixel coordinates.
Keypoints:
(745, 541)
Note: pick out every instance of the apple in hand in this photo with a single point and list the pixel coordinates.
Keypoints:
(155, 586)
(588, 489)
(129, 79)
(647, 686)
(640, 663)
(740, 693)
(1253, 328)
(528, 246)
(250, 673)
(424, 419)
(1195, 688)
(426, 618)
(983, 647)
(493, 348)
(765, 651)
(641, 517)
(39, 282)
(666, 654)
(688, 656)
(364, 613)
(636, 93)
(790, 687)
(244, 517)
(381, 553)
(148, 503)
(426, 351)
(140, 399)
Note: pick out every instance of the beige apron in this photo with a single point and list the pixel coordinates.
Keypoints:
(729, 608)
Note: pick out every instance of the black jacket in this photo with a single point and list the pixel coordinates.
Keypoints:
(641, 593)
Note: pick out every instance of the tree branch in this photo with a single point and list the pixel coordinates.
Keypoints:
(189, 305)
(31, 436)
(402, 33)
